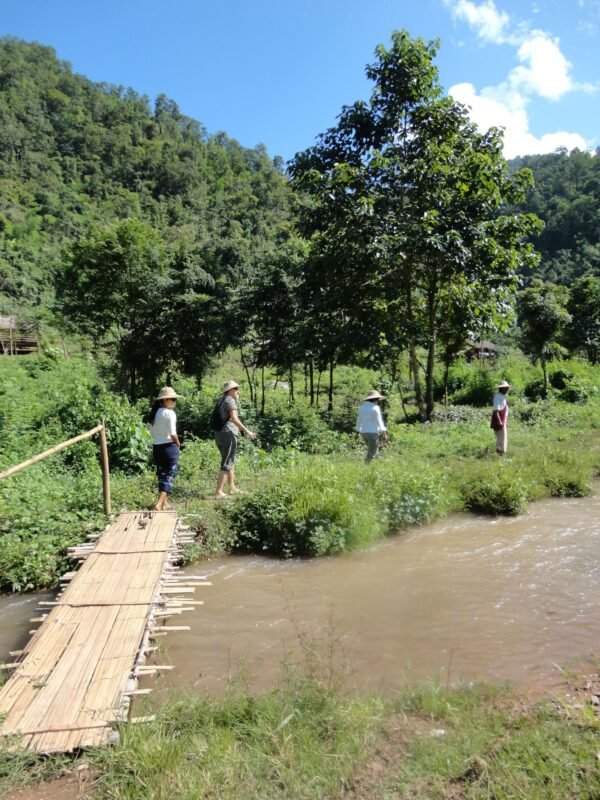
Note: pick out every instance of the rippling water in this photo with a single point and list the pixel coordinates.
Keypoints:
(466, 598)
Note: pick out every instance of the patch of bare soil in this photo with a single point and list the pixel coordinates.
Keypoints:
(376, 773)
(75, 786)
(579, 690)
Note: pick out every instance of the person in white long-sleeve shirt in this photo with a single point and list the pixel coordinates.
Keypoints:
(499, 422)
(370, 424)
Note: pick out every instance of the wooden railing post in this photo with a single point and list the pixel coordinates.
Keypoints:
(105, 469)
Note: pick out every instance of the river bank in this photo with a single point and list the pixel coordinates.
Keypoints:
(307, 490)
(294, 681)
(468, 598)
(310, 739)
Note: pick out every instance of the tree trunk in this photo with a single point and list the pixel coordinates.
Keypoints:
(430, 405)
(402, 401)
(414, 364)
(412, 352)
(247, 371)
(446, 373)
(311, 374)
(545, 372)
(429, 401)
(330, 391)
(132, 385)
(262, 390)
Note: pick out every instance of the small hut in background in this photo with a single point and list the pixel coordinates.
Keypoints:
(17, 338)
(480, 351)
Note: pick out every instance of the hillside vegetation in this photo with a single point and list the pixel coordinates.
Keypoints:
(308, 491)
(146, 251)
(123, 221)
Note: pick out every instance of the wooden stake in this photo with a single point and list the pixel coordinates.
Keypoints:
(105, 470)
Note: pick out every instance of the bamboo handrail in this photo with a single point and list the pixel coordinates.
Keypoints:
(57, 448)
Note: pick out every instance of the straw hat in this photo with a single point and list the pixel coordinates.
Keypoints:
(167, 393)
(374, 395)
(229, 385)
(504, 385)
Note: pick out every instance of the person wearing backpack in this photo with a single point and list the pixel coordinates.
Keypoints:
(227, 426)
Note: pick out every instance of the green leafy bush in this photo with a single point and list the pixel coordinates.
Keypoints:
(560, 378)
(534, 390)
(321, 508)
(413, 501)
(574, 392)
(477, 389)
(499, 490)
(310, 513)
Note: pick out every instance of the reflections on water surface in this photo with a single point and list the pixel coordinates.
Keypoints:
(491, 599)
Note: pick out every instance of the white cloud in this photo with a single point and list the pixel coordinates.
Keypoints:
(543, 70)
(500, 107)
(485, 19)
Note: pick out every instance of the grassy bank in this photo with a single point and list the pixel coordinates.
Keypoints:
(308, 491)
(309, 739)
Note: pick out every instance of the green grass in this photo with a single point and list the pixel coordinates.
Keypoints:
(309, 739)
(308, 490)
(489, 747)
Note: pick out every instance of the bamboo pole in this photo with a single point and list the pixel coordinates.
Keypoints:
(57, 448)
(105, 469)
(100, 428)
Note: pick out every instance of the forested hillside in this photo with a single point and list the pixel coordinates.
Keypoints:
(124, 221)
(566, 196)
(77, 156)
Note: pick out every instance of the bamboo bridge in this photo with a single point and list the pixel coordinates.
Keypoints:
(74, 682)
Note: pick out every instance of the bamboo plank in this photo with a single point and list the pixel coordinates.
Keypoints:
(68, 690)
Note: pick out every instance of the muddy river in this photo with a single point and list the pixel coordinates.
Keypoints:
(469, 598)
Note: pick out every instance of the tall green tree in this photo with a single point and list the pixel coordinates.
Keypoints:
(114, 290)
(543, 317)
(583, 333)
(407, 201)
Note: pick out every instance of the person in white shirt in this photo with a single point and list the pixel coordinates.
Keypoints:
(499, 419)
(165, 443)
(370, 424)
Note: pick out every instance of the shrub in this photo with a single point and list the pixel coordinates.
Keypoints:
(564, 483)
(534, 390)
(320, 508)
(497, 491)
(478, 389)
(312, 512)
(574, 393)
(559, 379)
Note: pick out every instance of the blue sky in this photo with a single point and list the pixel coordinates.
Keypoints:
(277, 72)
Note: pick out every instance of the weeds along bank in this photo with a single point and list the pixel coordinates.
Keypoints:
(308, 491)
(309, 739)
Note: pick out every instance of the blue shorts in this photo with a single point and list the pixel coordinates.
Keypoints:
(166, 457)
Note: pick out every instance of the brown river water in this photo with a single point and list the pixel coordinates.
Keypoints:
(467, 598)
